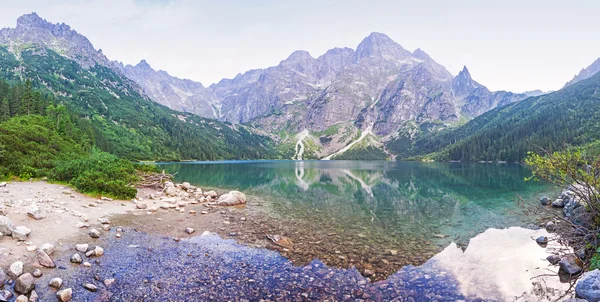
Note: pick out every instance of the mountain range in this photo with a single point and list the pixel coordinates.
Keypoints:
(60, 61)
(329, 102)
(378, 98)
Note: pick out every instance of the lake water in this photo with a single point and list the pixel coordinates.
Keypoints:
(388, 217)
(397, 198)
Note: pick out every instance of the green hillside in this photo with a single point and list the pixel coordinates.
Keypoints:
(570, 116)
(122, 120)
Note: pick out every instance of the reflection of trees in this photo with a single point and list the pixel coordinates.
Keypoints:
(457, 199)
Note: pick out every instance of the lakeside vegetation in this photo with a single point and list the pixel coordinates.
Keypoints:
(40, 138)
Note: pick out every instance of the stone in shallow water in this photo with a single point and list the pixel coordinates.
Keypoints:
(553, 259)
(37, 273)
(90, 287)
(65, 295)
(94, 233)
(82, 248)
(544, 200)
(22, 298)
(550, 227)
(559, 203)
(56, 283)
(571, 265)
(76, 258)
(542, 240)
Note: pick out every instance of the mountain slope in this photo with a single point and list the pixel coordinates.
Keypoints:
(568, 116)
(178, 94)
(379, 85)
(585, 73)
(126, 122)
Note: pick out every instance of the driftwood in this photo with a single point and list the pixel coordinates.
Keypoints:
(155, 180)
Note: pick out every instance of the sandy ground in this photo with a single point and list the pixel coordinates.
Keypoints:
(64, 210)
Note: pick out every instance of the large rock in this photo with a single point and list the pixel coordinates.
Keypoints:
(25, 284)
(16, 269)
(20, 233)
(6, 226)
(211, 194)
(571, 265)
(44, 259)
(233, 198)
(65, 295)
(172, 191)
(35, 213)
(544, 200)
(48, 248)
(559, 203)
(588, 286)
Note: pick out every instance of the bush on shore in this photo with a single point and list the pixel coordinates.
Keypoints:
(98, 173)
(579, 171)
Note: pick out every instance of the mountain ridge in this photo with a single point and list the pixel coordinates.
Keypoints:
(379, 87)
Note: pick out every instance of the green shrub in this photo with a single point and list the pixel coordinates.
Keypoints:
(98, 173)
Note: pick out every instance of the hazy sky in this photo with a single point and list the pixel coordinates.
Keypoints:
(509, 45)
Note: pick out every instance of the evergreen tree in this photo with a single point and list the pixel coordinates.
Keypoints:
(4, 110)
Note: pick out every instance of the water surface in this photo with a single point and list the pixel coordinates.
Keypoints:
(380, 199)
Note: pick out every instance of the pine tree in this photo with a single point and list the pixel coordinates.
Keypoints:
(4, 110)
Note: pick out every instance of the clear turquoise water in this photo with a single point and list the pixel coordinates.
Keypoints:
(392, 199)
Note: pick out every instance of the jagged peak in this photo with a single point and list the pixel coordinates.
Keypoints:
(420, 54)
(585, 73)
(380, 45)
(299, 55)
(143, 64)
(464, 73)
(32, 20)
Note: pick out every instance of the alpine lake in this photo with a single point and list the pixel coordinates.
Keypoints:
(423, 231)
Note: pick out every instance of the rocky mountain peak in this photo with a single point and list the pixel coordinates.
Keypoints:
(463, 83)
(143, 65)
(32, 21)
(421, 55)
(465, 74)
(299, 55)
(585, 73)
(31, 29)
(382, 46)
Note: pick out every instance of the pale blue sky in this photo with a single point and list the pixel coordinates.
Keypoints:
(509, 45)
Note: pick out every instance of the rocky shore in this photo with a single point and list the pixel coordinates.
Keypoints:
(39, 220)
(572, 263)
